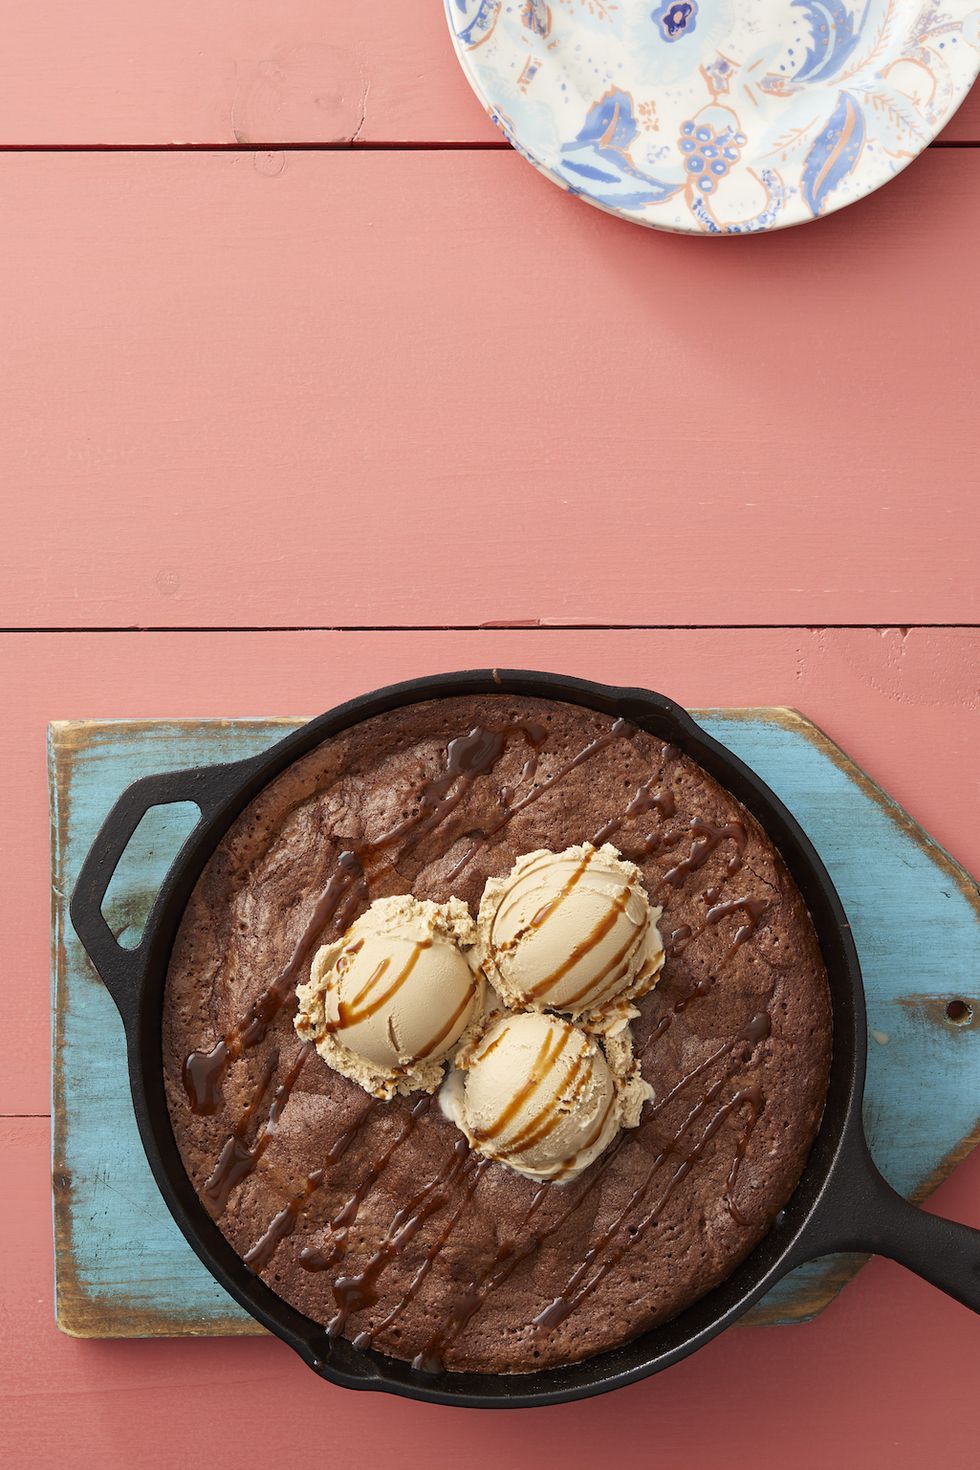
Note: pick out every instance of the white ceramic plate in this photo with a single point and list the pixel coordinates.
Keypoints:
(719, 116)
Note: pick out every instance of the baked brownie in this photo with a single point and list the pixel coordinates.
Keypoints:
(373, 1217)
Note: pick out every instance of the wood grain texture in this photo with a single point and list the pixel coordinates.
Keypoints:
(880, 1380)
(320, 389)
(121, 1267)
(293, 71)
(904, 706)
(296, 71)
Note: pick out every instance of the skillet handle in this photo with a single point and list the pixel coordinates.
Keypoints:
(208, 788)
(871, 1216)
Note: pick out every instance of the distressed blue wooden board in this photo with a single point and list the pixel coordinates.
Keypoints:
(122, 1267)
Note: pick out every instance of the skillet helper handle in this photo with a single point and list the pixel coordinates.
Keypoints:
(207, 787)
(871, 1216)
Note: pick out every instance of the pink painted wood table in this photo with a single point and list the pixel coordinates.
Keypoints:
(309, 384)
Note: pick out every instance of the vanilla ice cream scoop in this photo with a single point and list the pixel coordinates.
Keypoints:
(571, 931)
(537, 1093)
(387, 1003)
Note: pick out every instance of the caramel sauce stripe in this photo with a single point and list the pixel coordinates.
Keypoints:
(547, 1119)
(593, 1138)
(636, 1198)
(350, 1015)
(238, 1159)
(434, 1042)
(585, 946)
(338, 1226)
(622, 959)
(552, 1048)
(508, 1258)
(546, 910)
(476, 1172)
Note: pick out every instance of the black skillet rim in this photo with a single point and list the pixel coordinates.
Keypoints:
(225, 790)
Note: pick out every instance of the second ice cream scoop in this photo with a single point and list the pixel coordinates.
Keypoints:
(571, 931)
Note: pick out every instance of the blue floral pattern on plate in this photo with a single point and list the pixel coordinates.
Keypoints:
(678, 19)
(714, 116)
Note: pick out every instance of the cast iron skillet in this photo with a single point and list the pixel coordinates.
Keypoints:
(841, 1203)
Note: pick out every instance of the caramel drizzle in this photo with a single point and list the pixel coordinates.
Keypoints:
(547, 1118)
(361, 1008)
(578, 1287)
(678, 939)
(528, 773)
(509, 1256)
(282, 1225)
(598, 933)
(645, 800)
(239, 1159)
(477, 839)
(359, 1290)
(606, 980)
(493, 1044)
(585, 946)
(757, 1028)
(548, 909)
(475, 1173)
(204, 1070)
(754, 910)
(434, 1042)
(340, 1223)
(707, 838)
(741, 1144)
(617, 731)
(545, 912)
(468, 1302)
(589, 1141)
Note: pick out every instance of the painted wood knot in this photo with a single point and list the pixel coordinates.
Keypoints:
(168, 581)
(313, 91)
(270, 163)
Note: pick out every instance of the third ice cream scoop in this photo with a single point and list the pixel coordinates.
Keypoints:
(536, 1093)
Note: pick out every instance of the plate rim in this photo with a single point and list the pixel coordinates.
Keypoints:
(463, 54)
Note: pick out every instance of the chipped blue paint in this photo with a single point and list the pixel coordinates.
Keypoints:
(911, 911)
